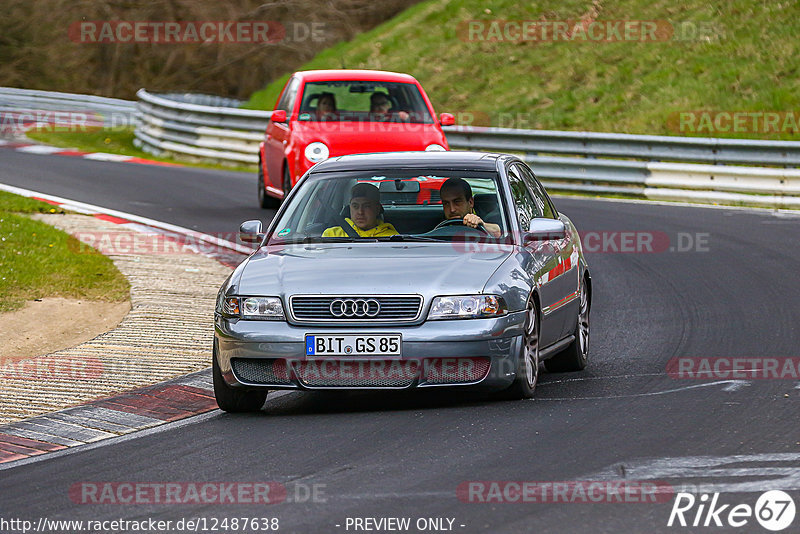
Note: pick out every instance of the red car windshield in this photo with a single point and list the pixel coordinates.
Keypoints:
(363, 101)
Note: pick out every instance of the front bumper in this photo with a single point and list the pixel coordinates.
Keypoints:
(496, 340)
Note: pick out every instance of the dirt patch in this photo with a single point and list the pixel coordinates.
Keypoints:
(54, 323)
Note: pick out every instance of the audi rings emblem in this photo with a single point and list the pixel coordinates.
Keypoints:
(355, 308)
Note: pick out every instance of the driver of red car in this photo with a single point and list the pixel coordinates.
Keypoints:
(457, 202)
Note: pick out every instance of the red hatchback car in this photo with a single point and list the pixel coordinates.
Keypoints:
(327, 113)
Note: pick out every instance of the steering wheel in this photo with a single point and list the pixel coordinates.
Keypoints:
(453, 222)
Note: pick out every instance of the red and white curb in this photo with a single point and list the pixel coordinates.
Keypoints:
(34, 148)
(142, 225)
(130, 411)
(101, 419)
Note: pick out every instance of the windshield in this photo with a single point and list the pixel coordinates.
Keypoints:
(393, 206)
(363, 101)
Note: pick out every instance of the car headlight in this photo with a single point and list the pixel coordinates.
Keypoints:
(435, 147)
(317, 151)
(263, 308)
(467, 307)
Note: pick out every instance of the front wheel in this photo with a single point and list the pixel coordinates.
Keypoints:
(576, 355)
(524, 384)
(235, 400)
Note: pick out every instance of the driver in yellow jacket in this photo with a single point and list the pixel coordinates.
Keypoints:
(365, 210)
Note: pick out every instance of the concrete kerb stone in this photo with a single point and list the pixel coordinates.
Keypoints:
(155, 361)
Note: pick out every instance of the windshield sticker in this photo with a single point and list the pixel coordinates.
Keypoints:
(304, 117)
(284, 232)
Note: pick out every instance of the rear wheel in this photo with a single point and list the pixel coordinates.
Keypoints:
(287, 182)
(264, 200)
(235, 400)
(575, 356)
(528, 367)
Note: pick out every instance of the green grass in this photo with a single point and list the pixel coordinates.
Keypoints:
(37, 261)
(748, 63)
(117, 141)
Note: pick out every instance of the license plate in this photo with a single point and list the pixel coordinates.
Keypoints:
(347, 345)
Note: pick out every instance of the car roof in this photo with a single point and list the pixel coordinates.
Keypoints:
(483, 161)
(353, 74)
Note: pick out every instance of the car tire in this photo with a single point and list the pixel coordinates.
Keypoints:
(287, 182)
(235, 400)
(576, 355)
(524, 384)
(264, 200)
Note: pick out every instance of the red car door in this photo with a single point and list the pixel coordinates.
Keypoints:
(278, 136)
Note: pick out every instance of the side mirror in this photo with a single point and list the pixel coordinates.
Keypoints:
(251, 232)
(544, 230)
(447, 119)
(279, 115)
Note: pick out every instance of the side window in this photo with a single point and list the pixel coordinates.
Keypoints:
(286, 102)
(543, 204)
(523, 201)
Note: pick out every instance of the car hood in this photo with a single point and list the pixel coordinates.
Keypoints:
(344, 138)
(359, 269)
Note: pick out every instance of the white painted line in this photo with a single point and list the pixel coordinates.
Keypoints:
(75, 205)
(681, 472)
(136, 227)
(40, 149)
(611, 377)
(736, 385)
(649, 394)
(103, 156)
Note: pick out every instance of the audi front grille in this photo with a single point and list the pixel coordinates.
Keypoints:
(355, 308)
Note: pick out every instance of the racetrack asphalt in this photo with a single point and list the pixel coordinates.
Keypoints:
(378, 455)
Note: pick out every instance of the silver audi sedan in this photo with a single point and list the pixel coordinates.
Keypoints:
(400, 271)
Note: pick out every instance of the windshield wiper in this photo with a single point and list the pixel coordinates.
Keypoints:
(313, 239)
(414, 238)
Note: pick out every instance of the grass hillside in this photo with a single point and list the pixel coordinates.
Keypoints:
(743, 57)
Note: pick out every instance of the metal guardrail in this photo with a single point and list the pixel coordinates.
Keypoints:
(660, 167)
(199, 126)
(22, 109)
(710, 150)
(664, 167)
(15, 99)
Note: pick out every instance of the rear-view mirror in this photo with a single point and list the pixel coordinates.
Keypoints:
(251, 232)
(545, 230)
(447, 119)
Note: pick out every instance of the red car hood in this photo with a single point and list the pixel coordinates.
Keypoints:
(363, 137)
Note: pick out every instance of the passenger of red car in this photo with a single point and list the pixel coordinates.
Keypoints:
(326, 107)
